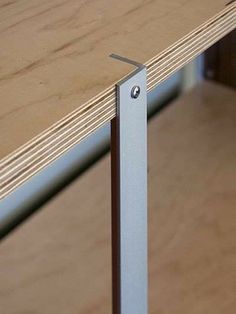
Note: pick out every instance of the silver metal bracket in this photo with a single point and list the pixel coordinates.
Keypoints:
(129, 193)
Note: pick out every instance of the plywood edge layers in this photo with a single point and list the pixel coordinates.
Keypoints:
(30, 158)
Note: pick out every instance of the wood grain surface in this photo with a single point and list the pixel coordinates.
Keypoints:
(59, 261)
(57, 81)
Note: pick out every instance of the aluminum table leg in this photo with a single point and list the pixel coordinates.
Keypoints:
(129, 195)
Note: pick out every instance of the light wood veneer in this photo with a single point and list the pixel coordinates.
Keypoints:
(57, 81)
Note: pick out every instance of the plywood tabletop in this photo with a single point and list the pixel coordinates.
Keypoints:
(57, 79)
(59, 261)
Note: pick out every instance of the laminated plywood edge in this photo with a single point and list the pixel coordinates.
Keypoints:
(30, 158)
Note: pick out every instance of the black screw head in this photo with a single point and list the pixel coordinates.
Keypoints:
(135, 91)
